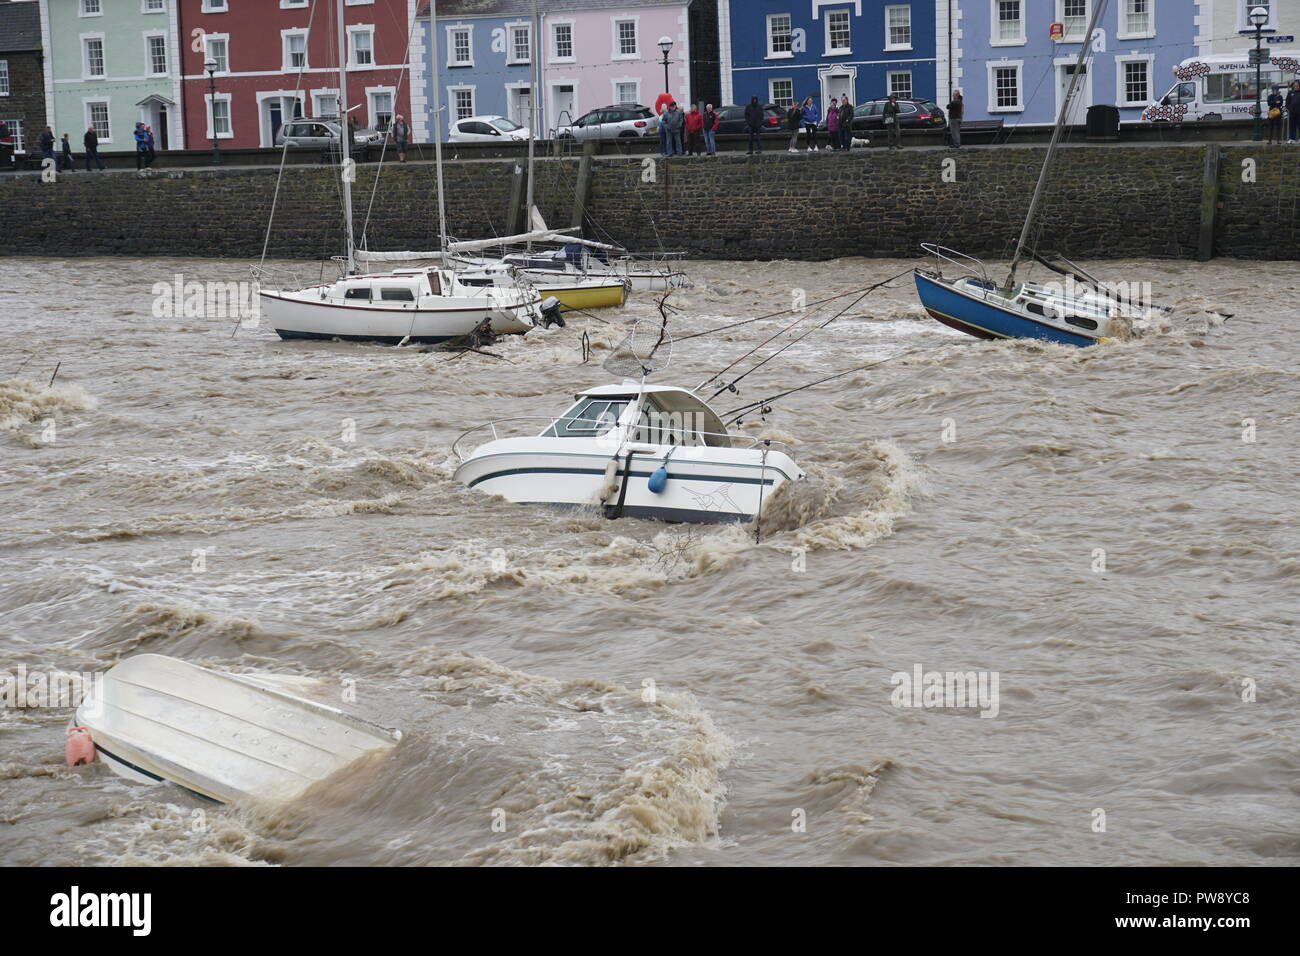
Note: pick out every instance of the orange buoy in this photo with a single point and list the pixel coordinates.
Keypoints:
(79, 748)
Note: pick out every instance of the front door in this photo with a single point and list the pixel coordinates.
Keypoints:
(838, 85)
(274, 119)
(160, 127)
(521, 106)
(563, 104)
(1078, 111)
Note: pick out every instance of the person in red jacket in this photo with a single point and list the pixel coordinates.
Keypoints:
(710, 130)
(694, 129)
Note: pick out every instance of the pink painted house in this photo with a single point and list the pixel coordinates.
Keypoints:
(599, 53)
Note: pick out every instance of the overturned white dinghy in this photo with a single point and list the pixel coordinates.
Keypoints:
(220, 736)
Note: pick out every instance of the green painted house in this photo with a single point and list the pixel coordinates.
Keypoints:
(110, 64)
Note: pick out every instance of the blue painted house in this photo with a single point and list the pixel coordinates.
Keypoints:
(485, 50)
(1010, 65)
(783, 50)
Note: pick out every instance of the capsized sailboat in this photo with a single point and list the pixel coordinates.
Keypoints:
(958, 291)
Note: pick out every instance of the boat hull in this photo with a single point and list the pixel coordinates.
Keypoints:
(706, 485)
(985, 317)
(600, 295)
(295, 317)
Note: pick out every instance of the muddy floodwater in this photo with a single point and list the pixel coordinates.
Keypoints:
(1105, 536)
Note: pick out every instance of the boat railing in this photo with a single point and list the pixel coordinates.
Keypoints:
(967, 264)
(282, 277)
(697, 438)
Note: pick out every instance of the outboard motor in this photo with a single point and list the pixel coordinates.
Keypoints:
(551, 312)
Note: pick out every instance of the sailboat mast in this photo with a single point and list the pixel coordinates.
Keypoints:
(437, 129)
(345, 139)
(534, 53)
(1056, 136)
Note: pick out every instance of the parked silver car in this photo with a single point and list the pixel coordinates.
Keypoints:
(612, 122)
(324, 133)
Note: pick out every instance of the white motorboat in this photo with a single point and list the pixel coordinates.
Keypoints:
(220, 736)
(405, 305)
(646, 451)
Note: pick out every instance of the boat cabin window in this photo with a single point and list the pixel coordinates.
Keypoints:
(589, 418)
(1080, 321)
(435, 283)
(397, 295)
(661, 427)
(358, 292)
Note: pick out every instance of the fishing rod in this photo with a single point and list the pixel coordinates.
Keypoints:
(733, 416)
(731, 386)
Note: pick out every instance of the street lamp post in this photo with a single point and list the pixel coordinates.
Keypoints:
(1259, 17)
(210, 65)
(666, 44)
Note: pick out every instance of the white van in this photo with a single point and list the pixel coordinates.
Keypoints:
(1220, 87)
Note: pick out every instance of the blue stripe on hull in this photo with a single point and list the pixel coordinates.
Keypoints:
(381, 339)
(985, 320)
(676, 515)
(620, 472)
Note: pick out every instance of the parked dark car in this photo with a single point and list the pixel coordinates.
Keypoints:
(731, 119)
(912, 114)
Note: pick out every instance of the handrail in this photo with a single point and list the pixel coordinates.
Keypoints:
(943, 252)
(732, 438)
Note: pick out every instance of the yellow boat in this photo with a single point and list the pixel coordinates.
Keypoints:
(586, 293)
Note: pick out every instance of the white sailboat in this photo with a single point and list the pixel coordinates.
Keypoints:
(409, 305)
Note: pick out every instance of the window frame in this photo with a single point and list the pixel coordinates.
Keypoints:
(512, 30)
(911, 83)
(826, 32)
(992, 66)
(148, 53)
(355, 30)
(286, 66)
(890, 46)
(208, 40)
(452, 30)
(995, 11)
(772, 52)
(4, 73)
(771, 90)
(1066, 35)
(617, 49)
(1121, 84)
(82, 12)
(211, 6)
(453, 115)
(86, 104)
(209, 108)
(1121, 26)
(555, 55)
(86, 39)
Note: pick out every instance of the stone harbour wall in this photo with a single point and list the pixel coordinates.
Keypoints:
(1101, 202)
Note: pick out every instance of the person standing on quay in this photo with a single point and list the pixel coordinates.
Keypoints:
(956, 107)
(6, 148)
(91, 142)
(141, 146)
(891, 122)
(47, 143)
(694, 131)
(794, 119)
(1274, 114)
(754, 125)
(661, 110)
(65, 160)
(710, 130)
(152, 153)
(811, 116)
(833, 124)
(1293, 111)
(846, 124)
(401, 134)
(674, 120)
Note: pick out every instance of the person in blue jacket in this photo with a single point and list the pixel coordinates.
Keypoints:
(141, 146)
(811, 117)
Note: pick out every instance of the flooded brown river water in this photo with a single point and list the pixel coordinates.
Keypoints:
(1110, 533)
